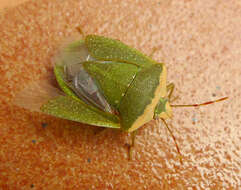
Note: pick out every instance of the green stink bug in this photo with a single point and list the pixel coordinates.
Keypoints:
(109, 84)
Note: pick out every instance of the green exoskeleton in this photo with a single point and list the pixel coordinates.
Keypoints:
(109, 84)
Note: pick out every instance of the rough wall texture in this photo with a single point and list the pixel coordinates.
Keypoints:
(200, 43)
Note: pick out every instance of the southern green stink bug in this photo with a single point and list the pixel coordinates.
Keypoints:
(109, 84)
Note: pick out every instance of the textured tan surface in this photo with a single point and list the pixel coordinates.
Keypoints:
(200, 43)
(5, 4)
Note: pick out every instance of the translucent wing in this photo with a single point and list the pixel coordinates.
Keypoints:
(72, 76)
(42, 96)
(36, 94)
(71, 54)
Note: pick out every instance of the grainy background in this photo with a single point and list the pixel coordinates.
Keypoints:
(200, 42)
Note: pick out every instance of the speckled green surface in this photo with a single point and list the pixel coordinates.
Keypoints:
(113, 79)
(114, 50)
(140, 95)
(68, 108)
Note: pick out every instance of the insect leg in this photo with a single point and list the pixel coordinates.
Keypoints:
(174, 139)
(154, 50)
(130, 147)
(170, 89)
(80, 31)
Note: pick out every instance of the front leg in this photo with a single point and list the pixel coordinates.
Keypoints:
(170, 89)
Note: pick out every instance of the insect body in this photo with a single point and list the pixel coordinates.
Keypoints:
(109, 84)
(105, 77)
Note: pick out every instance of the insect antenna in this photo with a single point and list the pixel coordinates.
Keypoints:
(174, 139)
(202, 104)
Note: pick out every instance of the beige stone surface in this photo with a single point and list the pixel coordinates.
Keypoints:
(5, 4)
(200, 42)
